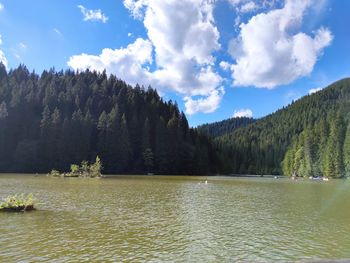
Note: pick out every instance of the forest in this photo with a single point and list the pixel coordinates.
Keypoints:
(56, 119)
(220, 128)
(320, 150)
(310, 136)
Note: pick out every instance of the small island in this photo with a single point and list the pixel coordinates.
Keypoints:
(85, 170)
(17, 203)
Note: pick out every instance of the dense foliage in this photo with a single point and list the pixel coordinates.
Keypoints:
(17, 203)
(220, 128)
(310, 133)
(320, 150)
(84, 170)
(58, 118)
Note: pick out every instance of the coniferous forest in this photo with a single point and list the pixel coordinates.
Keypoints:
(220, 128)
(52, 120)
(310, 137)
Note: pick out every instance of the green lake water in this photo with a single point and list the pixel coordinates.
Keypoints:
(177, 219)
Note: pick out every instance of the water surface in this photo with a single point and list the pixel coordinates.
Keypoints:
(177, 219)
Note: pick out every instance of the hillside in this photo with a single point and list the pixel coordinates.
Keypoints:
(220, 128)
(260, 147)
(59, 118)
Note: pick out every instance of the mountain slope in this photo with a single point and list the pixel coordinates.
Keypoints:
(59, 118)
(260, 147)
(220, 128)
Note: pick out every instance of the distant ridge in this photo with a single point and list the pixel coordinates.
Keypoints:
(220, 128)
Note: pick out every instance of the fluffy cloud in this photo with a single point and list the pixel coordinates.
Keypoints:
(182, 36)
(1, 7)
(312, 91)
(243, 113)
(205, 105)
(177, 55)
(3, 59)
(93, 15)
(126, 63)
(135, 6)
(269, 50)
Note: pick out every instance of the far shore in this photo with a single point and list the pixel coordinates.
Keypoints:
(106, 176)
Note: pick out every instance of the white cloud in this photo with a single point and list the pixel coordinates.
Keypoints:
(236, 2)
(126, 63)
(225, 65)
(1, 7)
(248, 7)
(129, 34)
(93, 15)
(3, 59)
(182, 36)
(312, 91)
(136, 7)
(244, 6)
(270, 51)
(205, 105)
(243, 113)
(237, 21)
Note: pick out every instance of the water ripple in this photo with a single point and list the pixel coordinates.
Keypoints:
(175, 219)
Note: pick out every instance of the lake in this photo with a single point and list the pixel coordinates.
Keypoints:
(181, 219)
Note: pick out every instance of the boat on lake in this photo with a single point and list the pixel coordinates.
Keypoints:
(319, 178)
(315, 177)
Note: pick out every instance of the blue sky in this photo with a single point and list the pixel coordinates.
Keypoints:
(215, 58)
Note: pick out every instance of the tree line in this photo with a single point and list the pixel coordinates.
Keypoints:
(54, 119)
(220, 128)
(51, 120)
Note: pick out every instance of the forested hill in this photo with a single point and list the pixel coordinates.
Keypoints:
(59, 118)
(220, 128)
(312, 129)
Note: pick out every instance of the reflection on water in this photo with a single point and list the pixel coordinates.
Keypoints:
(176, 219)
